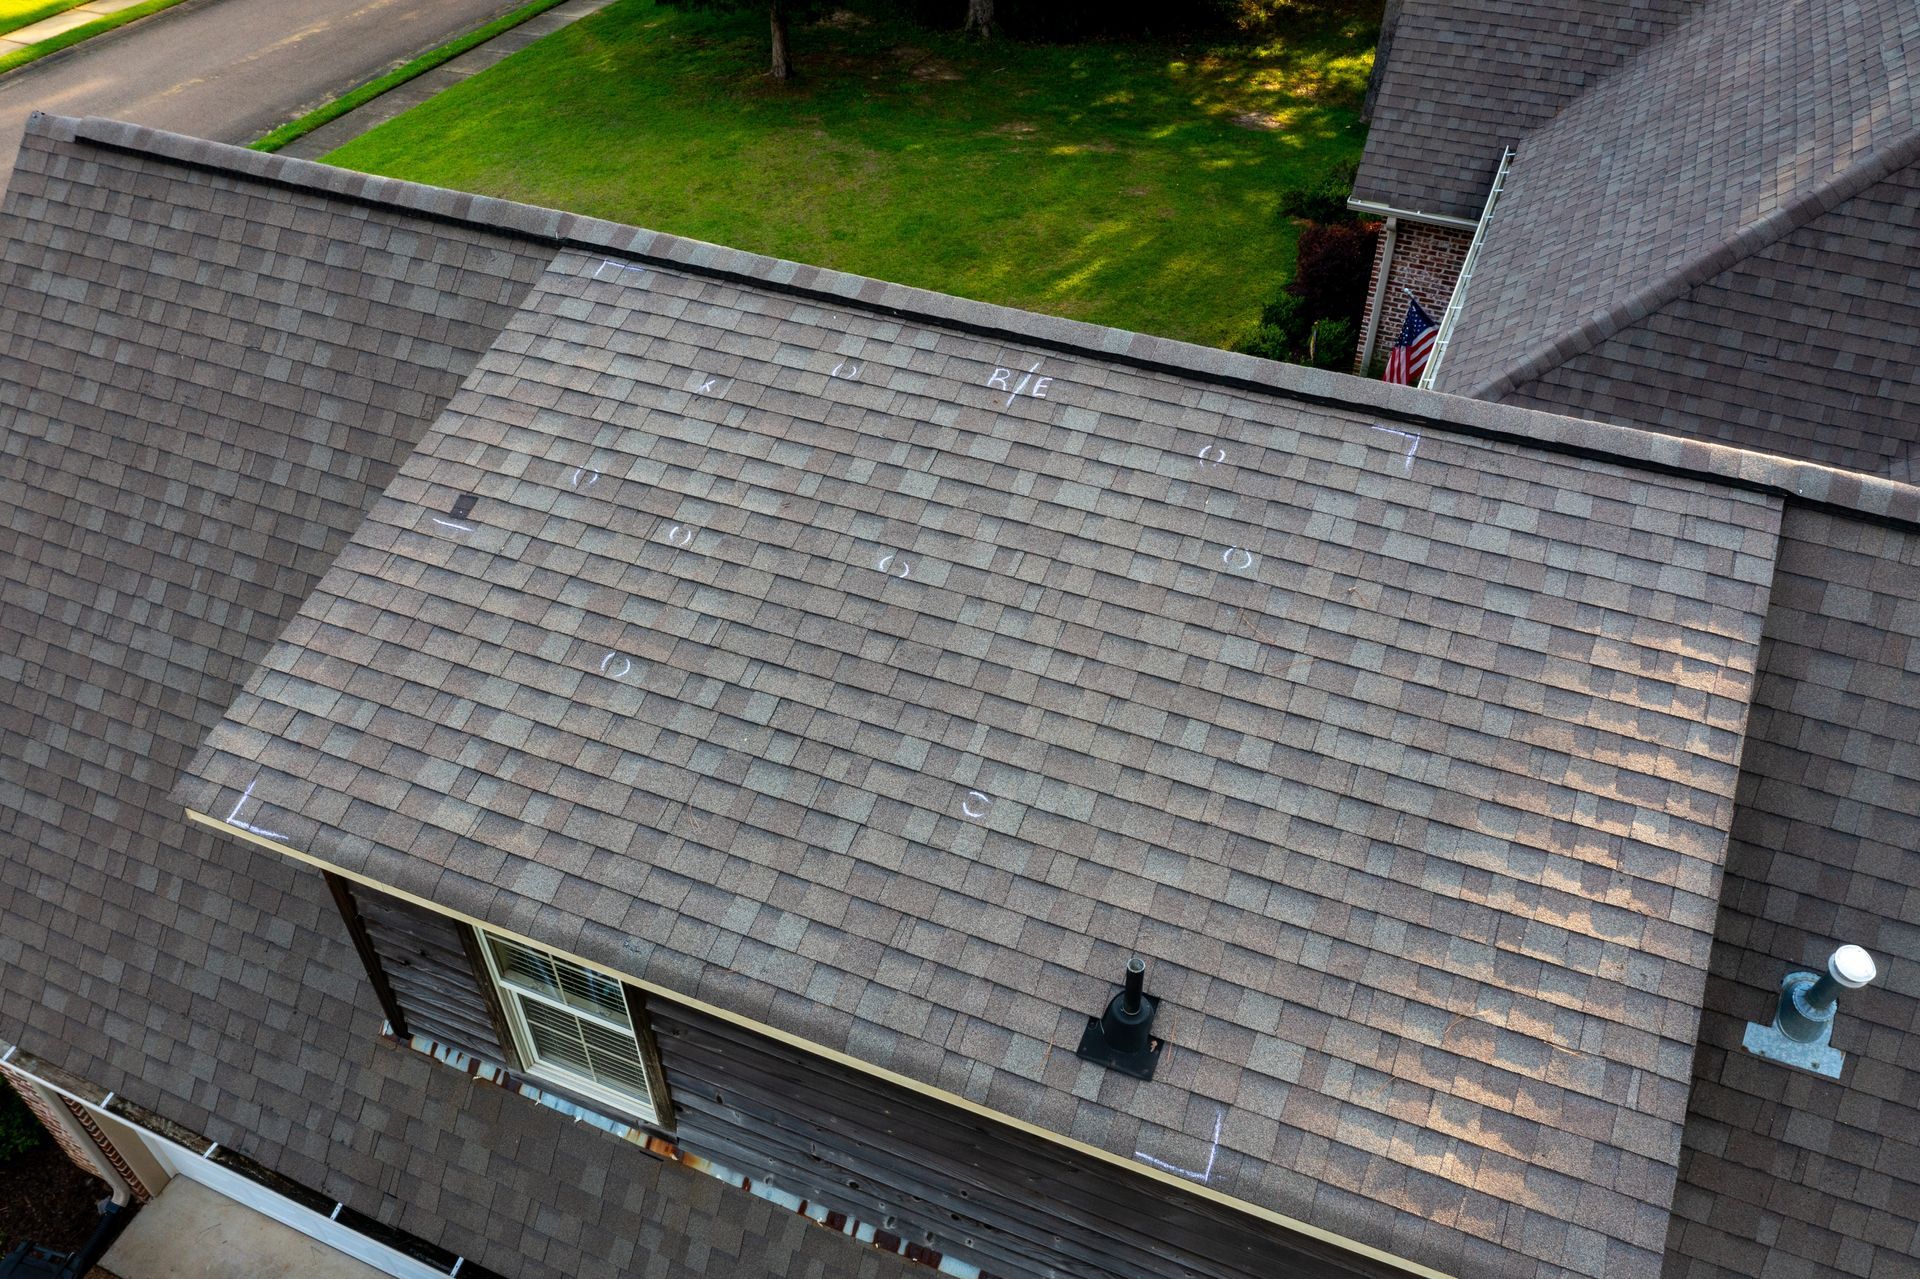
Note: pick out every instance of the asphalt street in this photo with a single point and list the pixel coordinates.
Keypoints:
(231, 69)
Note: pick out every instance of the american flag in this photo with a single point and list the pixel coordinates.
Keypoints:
(1408, 359)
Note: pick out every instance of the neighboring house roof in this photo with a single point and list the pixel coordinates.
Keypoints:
(1463, 82)
(1418, 809)
(1718, 241)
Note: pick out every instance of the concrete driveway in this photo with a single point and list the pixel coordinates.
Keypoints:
(231, 69)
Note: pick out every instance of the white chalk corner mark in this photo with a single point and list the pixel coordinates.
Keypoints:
(1413, 444)
(233, 818)
(1202, 1175)
(618, 268)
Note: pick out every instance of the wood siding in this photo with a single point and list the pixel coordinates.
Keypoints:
(425, 959)
(1014, 1204)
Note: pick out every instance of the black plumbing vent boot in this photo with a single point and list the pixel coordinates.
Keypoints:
(1122, 1037)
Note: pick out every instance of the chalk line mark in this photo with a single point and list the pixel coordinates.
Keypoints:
(233, 818)
(600, 272)
(1205, 1174)
(453, 524)
(1413, 443)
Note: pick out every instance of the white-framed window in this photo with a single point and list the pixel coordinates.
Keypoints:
(572, 1025)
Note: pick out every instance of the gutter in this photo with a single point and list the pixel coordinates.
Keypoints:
(1458, 301)
(389, 1250)
(1376, 210)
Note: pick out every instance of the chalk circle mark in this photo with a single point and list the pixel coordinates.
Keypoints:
(1237, 558)
(847, 370)
(616, 665)
(892, 566)
(976, 804)
(680, 535)
(1212, 455)
(583, 478)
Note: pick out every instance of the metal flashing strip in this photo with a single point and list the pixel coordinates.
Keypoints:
(1458, 301)
(1269, 1215)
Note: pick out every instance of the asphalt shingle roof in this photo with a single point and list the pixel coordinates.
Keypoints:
(1465, 81)
(1417, 807)
(1784, 1172)
(204, 380)
(1706, 217)
(789, 657)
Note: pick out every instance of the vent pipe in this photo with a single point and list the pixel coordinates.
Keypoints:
(1807, 1002)
(1802, 1031)
(1122, 1037)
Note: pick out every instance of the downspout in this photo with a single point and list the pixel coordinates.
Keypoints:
(52, 1111)
(1379, 296)
(1459, 298)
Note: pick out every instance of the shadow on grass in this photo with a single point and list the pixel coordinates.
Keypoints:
(1127, 183)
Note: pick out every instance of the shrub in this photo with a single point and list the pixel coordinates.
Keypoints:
(19, 1130)
(1323, 199)
(1331, 344)
(1317, 319)
(1330, 274)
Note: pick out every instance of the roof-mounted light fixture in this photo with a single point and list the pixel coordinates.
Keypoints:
(1122, 1038)
(1802, 1028)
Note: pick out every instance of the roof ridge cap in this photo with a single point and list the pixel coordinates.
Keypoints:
(1598, 326)
(1866, 496)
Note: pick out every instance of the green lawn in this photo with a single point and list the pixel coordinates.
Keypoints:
(1128, 184)
(18, 13)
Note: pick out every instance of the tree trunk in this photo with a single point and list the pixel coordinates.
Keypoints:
(777, 20)
(980, 14)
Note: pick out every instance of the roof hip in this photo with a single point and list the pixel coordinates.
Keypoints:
(1789, 217)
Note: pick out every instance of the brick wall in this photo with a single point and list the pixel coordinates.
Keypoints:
(49, 1118)
(1427, 260)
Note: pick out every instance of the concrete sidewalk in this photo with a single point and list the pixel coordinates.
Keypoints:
(47, 28)
(191, 1232)
(371, 116)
